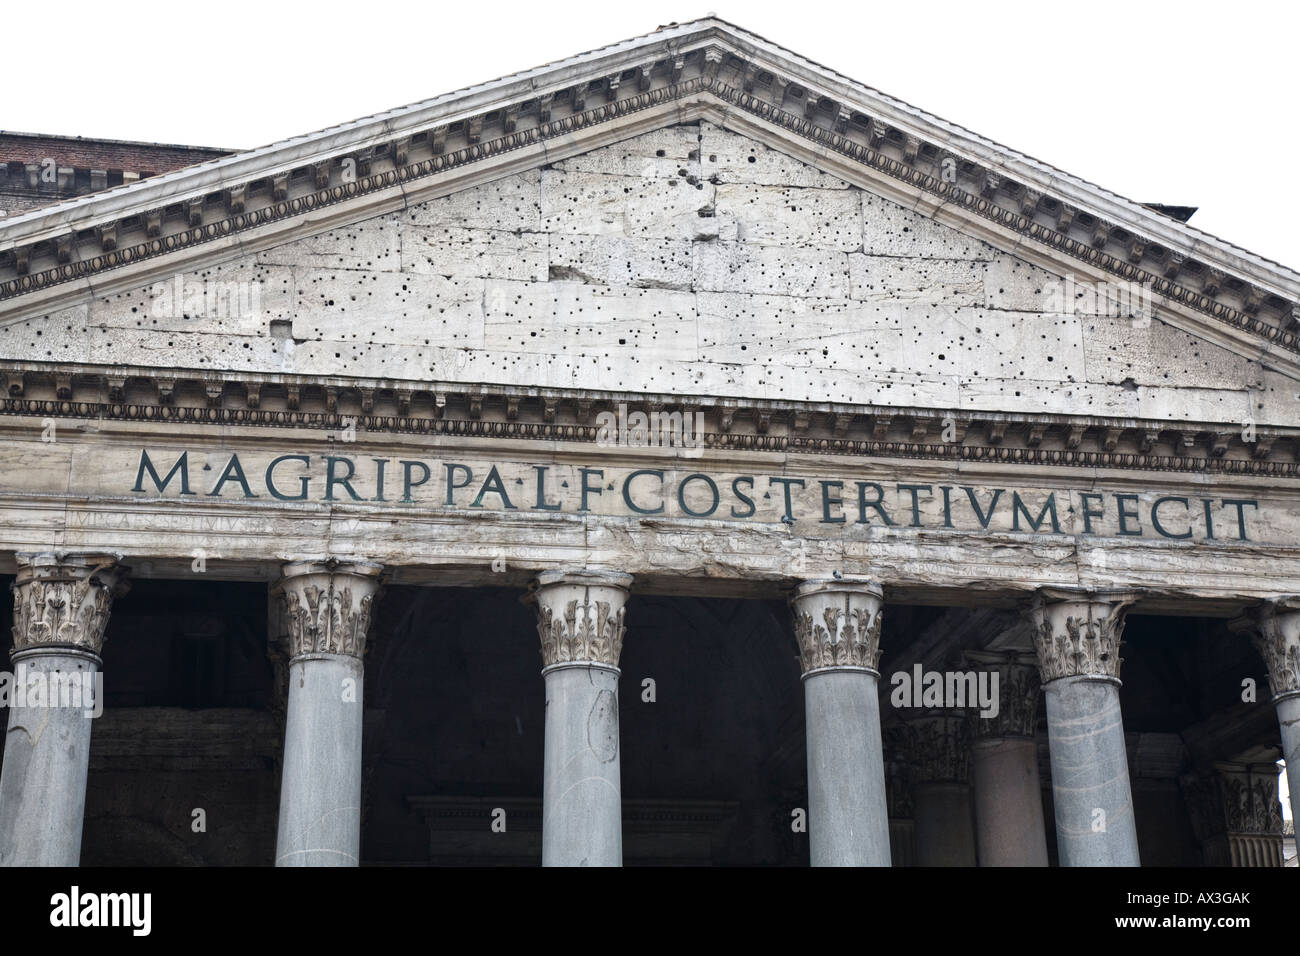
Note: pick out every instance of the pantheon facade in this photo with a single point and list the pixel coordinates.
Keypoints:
(678, 454)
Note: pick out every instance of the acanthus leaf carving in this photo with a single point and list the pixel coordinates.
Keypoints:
(1275, 631)
(579, 622)
(585, 632)
(837, 626)
(937, 747)
(1079, 635)
(1019, 686)
(323, 612)
(1250, 799)
(64, 600)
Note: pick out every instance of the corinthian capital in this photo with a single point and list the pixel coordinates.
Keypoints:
(837, 623)
(328, 605)
(63, 600)
(1250, 798)
(938, 747)
(580, 616)
(1275, 630)
(1018, 689)
(1078, 633)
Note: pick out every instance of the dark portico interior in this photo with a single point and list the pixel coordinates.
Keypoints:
(185, 759)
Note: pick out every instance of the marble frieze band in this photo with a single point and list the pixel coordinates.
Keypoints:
(843, 498)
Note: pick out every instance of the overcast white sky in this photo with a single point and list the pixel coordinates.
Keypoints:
(1182, 103)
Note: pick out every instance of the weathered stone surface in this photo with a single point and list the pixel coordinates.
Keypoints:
(770, 270)
(1090, 779)
(320, 792)
(947, 282)
(328, 608)
(47, 755)
(512, 204)
(837, 626)
(626, 326)
(790, 216)
(237, 298)
(352, 307)
(621, 261)
(891, 230)
(658, 240)
(668, 153)
(371, 246)
(1008, 800)
(729, 158)
(457, 251)
(1160, 355)
(580, 624)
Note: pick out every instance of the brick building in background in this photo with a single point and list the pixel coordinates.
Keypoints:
(38, 169)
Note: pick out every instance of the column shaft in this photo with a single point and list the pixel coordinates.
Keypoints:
(937, 743)
(1275, 628)
(944, 830)
(1008, 796)
(61, 608)
(847, 814)
(580, 624)
(1008, 802)
(1077, 635)
(320, 785)
(328, 611)
(837, 625)
(1090, 782)
(1288, 719)
(47, 758)
(582, 821)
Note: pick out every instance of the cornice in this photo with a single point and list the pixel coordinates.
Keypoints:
(378, 407)
(405, 153)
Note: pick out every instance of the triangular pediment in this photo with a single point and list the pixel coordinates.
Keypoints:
(696, 212)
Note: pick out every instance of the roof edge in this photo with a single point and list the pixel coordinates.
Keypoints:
(887, 120)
